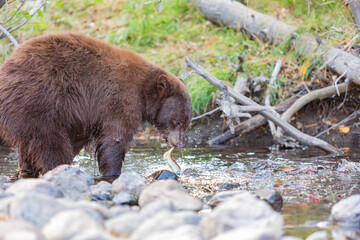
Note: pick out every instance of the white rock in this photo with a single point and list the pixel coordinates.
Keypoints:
(243, 210)
(93, 234)
(171, 190)
(320, 235)
(249, 233)
(67, 224)
(347, 212)
(35, 185)
(186, 232)
(102, 191)
(125, 224)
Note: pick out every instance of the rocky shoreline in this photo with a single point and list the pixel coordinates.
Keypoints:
(66, 203)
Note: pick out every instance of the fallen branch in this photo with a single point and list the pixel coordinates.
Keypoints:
(235, 15)
(250, 124)
(206, 114)
(307, 98)
(355, 9)
(301, 137)
(7, 34)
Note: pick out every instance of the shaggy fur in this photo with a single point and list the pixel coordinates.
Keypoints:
(59, 92)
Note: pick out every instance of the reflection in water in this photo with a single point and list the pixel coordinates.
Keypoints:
(309, 182)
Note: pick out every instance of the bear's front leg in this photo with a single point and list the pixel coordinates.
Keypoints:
(111, 148)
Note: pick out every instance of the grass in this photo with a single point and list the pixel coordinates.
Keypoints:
(165, 37)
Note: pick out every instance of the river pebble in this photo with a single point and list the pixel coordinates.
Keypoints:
(221, 197)
(129, 185)
(35, 185)
(102, 191)
(171, 190)
(347, 212)
(165, 221)
(72, 182)
(272, 197)
(69, 223)
(124, 225)
(243, 210)
(19, 230)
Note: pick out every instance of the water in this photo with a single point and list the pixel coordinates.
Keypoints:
(309, 182)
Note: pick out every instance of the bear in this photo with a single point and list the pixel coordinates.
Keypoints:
(60, 92)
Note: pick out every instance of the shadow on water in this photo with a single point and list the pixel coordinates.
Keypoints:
(309, 182)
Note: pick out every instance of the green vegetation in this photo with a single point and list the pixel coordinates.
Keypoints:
(165, 36)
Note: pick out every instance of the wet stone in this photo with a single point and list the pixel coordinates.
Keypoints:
(347, 212)
(163, 174)
(243, 210)
(272, 197)
(238, 167)
(191, 172)
(72, 182)
(102, 191)
(171, 190)
(39, 186)
(228, 186)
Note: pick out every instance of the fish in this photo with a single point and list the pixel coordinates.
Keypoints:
(171, 161)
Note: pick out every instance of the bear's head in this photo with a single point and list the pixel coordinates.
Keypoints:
(175, 110)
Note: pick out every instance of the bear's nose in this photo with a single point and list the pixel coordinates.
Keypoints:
(175, 139)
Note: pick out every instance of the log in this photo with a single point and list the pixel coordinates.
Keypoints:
(292, 131)
(235, 15)
(250, 124)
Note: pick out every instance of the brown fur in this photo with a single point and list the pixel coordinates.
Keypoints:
(58, 92)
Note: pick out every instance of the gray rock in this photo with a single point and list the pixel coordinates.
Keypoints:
(72, 182)
(125, 198)
(154, 208)
(290, 238)
(345, 233)
(221, 197)
(320, 235)
(347, 212)
(67, 224)
(242, 210)
(94, 209)
(34, 185)
(131, 183)
(35, 208)
(228, 186)
(4, 180)
(239, 167)
(93, 234)
(124, 225)
(186, 232)
(19, 229)
(171, 190)
(249, 233)
(102, 191)
(165, 221)
(272, 197)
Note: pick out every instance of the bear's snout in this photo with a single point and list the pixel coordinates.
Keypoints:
(176, 139)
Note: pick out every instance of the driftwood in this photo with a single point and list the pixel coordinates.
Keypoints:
(235, 15)
(292, 131)
(355, 9)
(250, 124)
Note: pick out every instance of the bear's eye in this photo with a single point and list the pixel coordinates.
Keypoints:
(176, 123)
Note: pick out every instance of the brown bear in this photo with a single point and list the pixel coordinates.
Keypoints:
(61, 91)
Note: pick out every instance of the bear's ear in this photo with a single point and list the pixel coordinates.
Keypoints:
(163, 85)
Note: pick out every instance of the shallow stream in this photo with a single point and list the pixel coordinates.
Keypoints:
(309, 182)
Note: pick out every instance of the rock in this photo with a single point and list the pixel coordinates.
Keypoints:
(165, 221)
(4, 180)
(154, 208)
(290, 238)
(13, 230)
(124, 225)
(191, 172)
(272, 197)
(125, 198)
(345, 233)
(34, 208)
(102, 191)
(163, 174)
(228, 186)
(69, 223)
(72, 182)
(93, 234)
(131, 183)
(249, 233)
(171, 190)
(347, 212)
(221, 197)
(243, 210)
(239, 167)
(320, 235)
(93, 209)
(186, 232)
(120, 210)
(34, 185)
